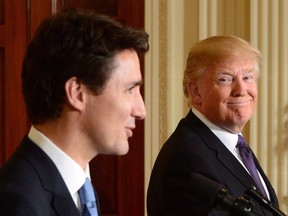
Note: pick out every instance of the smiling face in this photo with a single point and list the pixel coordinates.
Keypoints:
(227, 94)
(110, 117)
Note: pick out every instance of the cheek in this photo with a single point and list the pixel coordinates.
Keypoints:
(253, 90)
(214, 96)
(119, 113)
(255, 95)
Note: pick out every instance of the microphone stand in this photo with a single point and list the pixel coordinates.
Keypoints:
(265, 202)
(235, 205)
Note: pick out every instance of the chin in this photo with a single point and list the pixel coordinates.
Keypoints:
(123, 150)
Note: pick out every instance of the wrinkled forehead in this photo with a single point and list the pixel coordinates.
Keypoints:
(233, 60)
(235, 65)
(224, 55)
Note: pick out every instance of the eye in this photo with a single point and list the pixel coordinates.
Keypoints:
(130, 90)
(133, 87)
(225, 80)
(249, 78)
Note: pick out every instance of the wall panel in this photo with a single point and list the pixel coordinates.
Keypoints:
(119, 181)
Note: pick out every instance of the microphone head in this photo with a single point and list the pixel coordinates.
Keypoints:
(211, 194)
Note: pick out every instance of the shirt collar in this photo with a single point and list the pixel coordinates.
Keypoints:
(72, 173)
(227, 138)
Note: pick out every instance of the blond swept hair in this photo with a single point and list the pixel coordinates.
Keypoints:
(215, 50)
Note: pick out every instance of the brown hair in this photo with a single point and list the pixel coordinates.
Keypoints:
(72, 43)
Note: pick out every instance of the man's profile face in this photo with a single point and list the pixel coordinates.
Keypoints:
(110, 117)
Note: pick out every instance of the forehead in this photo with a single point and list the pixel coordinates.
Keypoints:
(126, 66)
(234, 66)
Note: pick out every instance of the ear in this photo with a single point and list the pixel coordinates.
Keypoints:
(194, 94)
(75, 93)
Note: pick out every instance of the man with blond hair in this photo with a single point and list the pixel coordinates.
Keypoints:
(220, 82)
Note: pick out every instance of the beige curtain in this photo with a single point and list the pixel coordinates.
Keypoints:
(174, 25)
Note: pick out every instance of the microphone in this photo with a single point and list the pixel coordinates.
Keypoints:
(265, 202)
(214, 195)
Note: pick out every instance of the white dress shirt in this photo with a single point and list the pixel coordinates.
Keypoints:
(72, 173)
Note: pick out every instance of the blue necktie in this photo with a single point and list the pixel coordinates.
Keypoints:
(248, 160)
(87, 199)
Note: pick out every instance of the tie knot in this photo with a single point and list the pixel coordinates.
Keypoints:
(86, 192)
(87, 199)
(241, 142)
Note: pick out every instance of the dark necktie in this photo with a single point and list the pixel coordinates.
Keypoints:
(87, 199)
(247, 158)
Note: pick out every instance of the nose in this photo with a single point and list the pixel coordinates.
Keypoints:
(139, 110)
(239, 87)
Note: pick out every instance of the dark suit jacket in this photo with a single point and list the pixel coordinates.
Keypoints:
(193, 148)
(30, 184)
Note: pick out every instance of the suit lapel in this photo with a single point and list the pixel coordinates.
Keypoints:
(271, 191)
(97, 202)
(50, 177)
(225, 157)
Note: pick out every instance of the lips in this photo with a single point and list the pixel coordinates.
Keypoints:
(130, 127)
(239, 102)
(129, 131)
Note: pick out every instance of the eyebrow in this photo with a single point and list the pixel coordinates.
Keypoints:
(230, 72)
(137, 83)
(225, 72)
